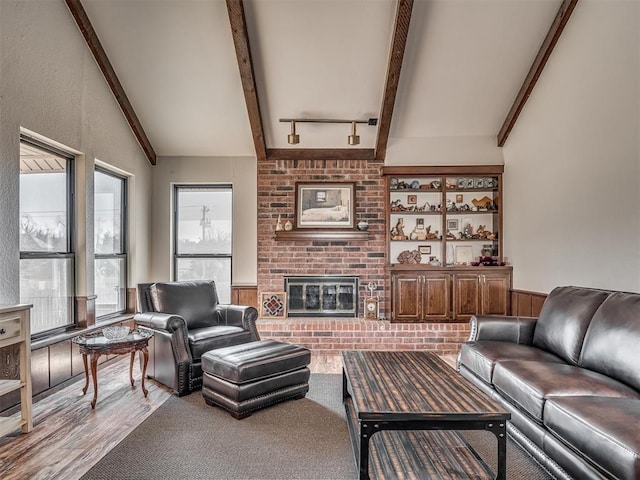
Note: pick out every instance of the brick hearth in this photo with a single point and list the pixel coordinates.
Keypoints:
(330, 336)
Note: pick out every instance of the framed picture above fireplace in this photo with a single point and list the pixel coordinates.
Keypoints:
(325, 205)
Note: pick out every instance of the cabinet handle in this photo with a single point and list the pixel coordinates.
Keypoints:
(2, 331)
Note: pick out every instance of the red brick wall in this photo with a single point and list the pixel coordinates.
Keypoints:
(366, 259)
(276, 196)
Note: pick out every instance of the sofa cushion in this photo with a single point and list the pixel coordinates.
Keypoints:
(603, 429)
(480, 357)
(613, 338)
(194, 301)
(564, 320)
(528, 384)
(201, 340)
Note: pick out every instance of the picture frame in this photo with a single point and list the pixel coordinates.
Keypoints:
(273, 305)
(459, 198)
(412, 199)
(424, 249)
(325, 205)
(453, 224)
(464, 254)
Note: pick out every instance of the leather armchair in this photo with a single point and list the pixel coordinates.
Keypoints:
(187, 321)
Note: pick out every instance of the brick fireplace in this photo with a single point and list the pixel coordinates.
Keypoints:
(362, 258)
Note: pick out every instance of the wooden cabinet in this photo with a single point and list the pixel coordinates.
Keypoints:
(448, 293)
(15, 330)
(485, 293)
(418, 297)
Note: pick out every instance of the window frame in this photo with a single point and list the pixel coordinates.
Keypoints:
(71, 233)
(176, 256)
(123, 238)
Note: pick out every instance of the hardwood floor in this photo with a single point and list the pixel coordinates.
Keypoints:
(69, 437)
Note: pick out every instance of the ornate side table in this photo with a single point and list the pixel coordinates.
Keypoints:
(95, 346)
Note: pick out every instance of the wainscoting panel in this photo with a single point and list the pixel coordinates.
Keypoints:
(244, 295)
(526, 304)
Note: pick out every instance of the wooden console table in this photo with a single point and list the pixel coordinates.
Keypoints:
(415, 391)
(15, 328)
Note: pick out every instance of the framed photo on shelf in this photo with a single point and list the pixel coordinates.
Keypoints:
(464, 254)
(424, 249)
(273, 305)
(325, 205)
(412, 199)
(453, 224)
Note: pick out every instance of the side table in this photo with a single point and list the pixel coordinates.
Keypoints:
(95, 346)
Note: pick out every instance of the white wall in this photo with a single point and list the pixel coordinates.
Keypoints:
(51, 85)
(572, 163)
(241, 173)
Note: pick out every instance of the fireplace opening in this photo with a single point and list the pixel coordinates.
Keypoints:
(322, 296)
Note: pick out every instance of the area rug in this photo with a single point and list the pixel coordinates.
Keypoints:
(299, 439)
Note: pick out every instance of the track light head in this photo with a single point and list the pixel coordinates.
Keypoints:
(353, 138)
(293, 138)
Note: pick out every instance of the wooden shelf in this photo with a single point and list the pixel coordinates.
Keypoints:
(8, 386)
(320, 234)
(9, 424)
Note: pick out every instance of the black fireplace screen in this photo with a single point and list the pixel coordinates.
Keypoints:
(322, 296)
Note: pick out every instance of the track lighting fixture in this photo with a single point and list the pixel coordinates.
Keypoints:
(293, 138)
(354, 139)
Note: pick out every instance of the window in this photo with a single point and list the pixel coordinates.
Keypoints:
(46, 233)
(202, 235)
(110, 241)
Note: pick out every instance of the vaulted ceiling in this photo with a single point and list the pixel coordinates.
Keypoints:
(463, 67)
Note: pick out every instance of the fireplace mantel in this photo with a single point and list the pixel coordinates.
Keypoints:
(322, 234)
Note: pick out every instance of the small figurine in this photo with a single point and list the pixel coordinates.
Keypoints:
(397, 232)
(279, 224)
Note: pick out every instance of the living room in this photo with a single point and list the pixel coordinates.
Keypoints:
(571, 160)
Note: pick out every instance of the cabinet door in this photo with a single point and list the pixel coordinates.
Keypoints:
(466, 296)
(435, 296)
(495, 293)
(406, 297)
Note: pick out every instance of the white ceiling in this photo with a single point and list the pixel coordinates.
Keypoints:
(464, 64)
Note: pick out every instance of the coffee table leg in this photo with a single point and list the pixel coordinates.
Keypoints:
(365, 435)
(94, 374)
(499, 429)
(145, 354)
(133, 356)
(86, 374)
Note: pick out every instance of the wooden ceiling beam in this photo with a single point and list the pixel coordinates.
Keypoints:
(320, 154)
(240, 34)
(100, 56)
(561, 19)
(396, 55)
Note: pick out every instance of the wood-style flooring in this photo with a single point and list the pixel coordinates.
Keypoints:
(69, 437)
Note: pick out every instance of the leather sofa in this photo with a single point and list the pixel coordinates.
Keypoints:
(570, 378)
(187, 321)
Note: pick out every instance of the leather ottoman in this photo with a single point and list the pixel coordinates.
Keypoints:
(246, 377)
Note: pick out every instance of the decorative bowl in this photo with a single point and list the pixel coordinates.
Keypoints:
(363, 226)
(115, 332)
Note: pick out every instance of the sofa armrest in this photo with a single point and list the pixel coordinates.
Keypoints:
(160, 321)
(240, 316)
(502, 328)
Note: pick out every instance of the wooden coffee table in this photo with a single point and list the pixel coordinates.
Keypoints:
(96, 345)
(415, 391)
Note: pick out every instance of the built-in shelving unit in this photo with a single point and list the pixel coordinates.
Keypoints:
(15, 329)
(444, 243)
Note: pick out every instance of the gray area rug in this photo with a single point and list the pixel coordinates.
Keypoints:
(299, 439)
